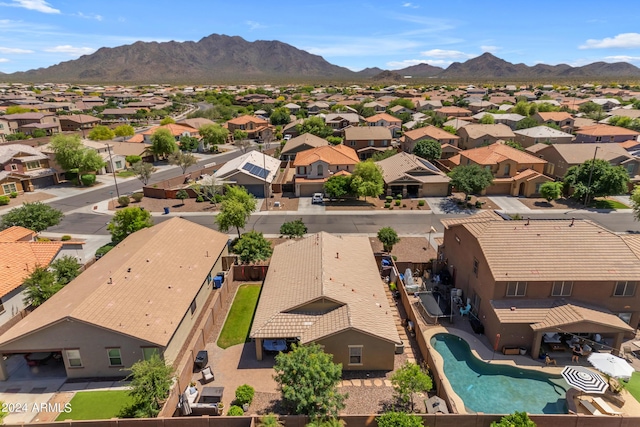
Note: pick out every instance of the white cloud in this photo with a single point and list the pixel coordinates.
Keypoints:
(253, 25)
(411, 5)
(396, 65)
(37, 5)
(71, 50)
(622, 58)
(89, 16)
(490, 49)
(624, 40)
(4, 60)
(448, 54)
(14, 50)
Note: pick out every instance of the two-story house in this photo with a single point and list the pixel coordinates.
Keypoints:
(255, 127)
(176, 129)
(515, 172)
(75, 122)
(561, 119)
(541, 135)
(410, 138)
(528, 278)
(392, 123)
(366, 140)
(604, 133)
(477, 135)
(339, 121)
(27, 123)
(509, 119)
(304, 142)
(447, 112)
(313, 167)
(23, 169)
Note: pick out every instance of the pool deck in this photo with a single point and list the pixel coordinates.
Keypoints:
(483, 349)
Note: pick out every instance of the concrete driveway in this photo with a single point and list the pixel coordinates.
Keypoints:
(307, 208)
(510, 204)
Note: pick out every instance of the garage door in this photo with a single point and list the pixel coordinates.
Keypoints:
(256, 190)
(502, 188)
(307, 189)
(45, 181)
(435, 190)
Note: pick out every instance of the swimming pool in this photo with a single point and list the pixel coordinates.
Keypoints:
(496, 388)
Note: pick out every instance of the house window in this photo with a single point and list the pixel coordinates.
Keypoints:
(631, 168)
(118, 164)
(355, 355)
(32, 165)
(476, 264)
(625, 317)
(370, 143)
(598, 139)
(302, 170)
(538, 185)
(1, 126)
(385, 143)
(561, 289)
(320, 170)
(148, 352)
(115, 358)
(625, 289)
(516, 289)
(74, 359)
(507, 169)
(193, 306)
(1, 306)
(352, 143)
(14, 167)
(9, 188)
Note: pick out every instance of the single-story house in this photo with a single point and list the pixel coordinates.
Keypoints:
(142, 298)
(412, 176)
(410, 138)
(332, 295)
(254, 170)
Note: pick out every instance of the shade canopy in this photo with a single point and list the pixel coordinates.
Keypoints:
(584, 379)
(611, 365)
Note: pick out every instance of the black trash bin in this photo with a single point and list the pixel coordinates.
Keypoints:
(202, 359)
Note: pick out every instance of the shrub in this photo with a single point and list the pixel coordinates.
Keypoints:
(469, 205)
(65, 238)
(103, 250)
(399, 197)
(123, 201)
(199, 199)
(88, 180)
(235, 411)
(244, 394)
(13, 194)
(4, 200)
(404, 205)
(387, 205)
(478, 204)
(421, 202)
(398, 202)
(393, 287)
(395, 258)
(43, 239)
(137, 197)
(389, 199)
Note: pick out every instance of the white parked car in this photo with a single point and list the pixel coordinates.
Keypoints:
(317, 198)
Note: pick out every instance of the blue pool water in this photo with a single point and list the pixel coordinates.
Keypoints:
(495, 388)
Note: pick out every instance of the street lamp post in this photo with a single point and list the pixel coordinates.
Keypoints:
(113, 171)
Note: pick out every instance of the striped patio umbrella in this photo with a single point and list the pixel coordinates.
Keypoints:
(584, 379)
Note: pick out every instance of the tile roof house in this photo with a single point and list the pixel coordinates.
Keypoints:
(367, 140)
(413, 176)
(411, 137)
(604, 133)
(448, 112)
(559, 118)
(541, 134)
(141, 298)
(27, 123)
(313, 167)
(255, 127)
(74, 122)
(20, 254)
(515, 172)
(510, 120)
(339, 121)
(476, 135)
(526, 278)
(300, 143)
(330, 296)
(254, 171)
(24, 169)
(177, 130)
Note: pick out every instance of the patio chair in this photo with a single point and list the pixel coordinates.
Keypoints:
(466, 310)
(207, 375)
(589, 407)
(604, 406)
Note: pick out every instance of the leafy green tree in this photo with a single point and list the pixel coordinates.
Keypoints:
(182, 195)
(143, 171)
(101, 133)
(280, 116)
(292, 229)
(150, 384)
(337, 186)
(188, 143)
(523, 108)
(16, 109)
(163, 143)
(232, 214)
(399, 419)
(40, 286)
(308, 380)
(253, 247)
(213, 134)
(182, 159)
(315, 126)
(388, 237)
(551, 190)
(514, 144)
(517, 419)
(591, 109)
(3, 414)
(127, 221)
(487, 119)
(72, 156)
(270, 420)
(66, 269)
(635, 201)
(124, 131)
(596, 179)
(133, 159)
(405, 102)
(39, 133)
(167, 121)
(407, 381)
(526, 123)
(367, 180)
(470, 179)
(450, 129)
(35, 216)
(428, 149)
(334, 140)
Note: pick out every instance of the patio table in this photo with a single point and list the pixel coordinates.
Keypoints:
(211, 395)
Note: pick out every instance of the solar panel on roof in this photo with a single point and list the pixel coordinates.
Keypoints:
(256, 170)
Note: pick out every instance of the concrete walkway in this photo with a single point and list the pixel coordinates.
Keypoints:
(510, 204)
(446, 205)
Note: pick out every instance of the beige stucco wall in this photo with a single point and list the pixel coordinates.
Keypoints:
(377, 354)
(13, 304)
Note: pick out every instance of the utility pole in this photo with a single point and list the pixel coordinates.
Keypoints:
(586, 197)
(113, 171)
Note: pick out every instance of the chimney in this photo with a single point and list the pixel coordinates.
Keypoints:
(572, 221)
(528, 221)
(337, 254)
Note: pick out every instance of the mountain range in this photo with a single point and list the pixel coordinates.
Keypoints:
(220, 58)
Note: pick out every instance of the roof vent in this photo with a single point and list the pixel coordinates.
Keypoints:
(337, 254)
(129, 270)
(573, 220)
(513, 309)
(110, 281)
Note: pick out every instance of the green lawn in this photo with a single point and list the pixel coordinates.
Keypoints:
(236, 327)
(633, 386)
(96, 405)
(126, 174)
(608, 204)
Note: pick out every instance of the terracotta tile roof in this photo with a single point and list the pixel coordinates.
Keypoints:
(476, 131)
(629, 144)
(605, 130)
(553, 314)
(430, 132)
(16, 233)
(452, 110)
(551, 250)
(19, 258)
(331, 154)
(375, 133)
(556, 116)
(169, 263)
(137, 138)
(383, 116)
(339, 272)
(175, 129)
(243, 120)
(498, 152)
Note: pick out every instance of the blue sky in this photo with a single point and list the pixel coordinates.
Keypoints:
(356, 34)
